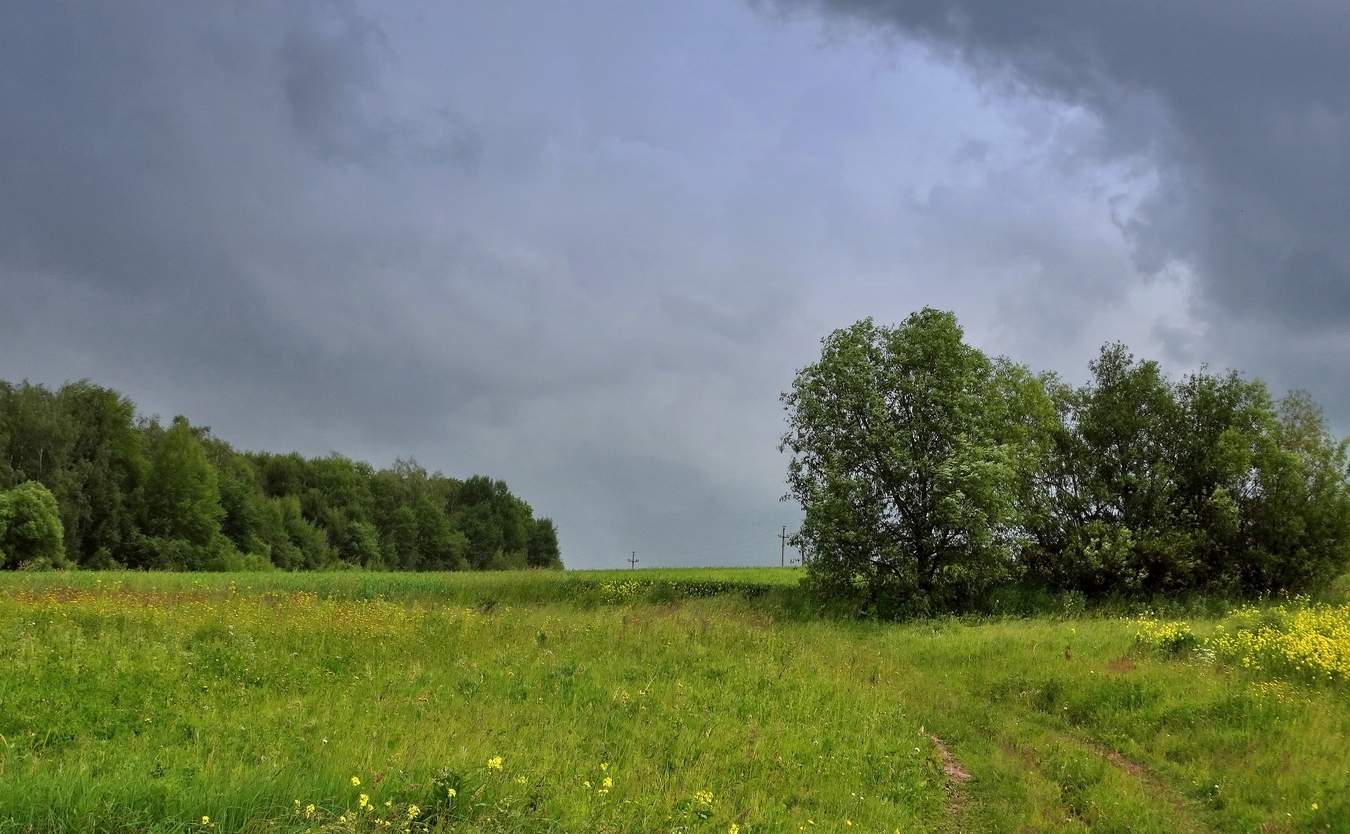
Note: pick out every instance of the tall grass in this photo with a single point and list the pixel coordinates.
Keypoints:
(468, 587)
(147, 702)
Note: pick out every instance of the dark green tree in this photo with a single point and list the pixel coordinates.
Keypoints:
(182, 501)
(1299, 530)
(143, 494)
(1109, 481)
(543, 547)
(306, 545)
(440, 545)
(245, 520)
(107, 470)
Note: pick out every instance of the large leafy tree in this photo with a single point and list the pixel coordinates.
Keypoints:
(107, 469)
(440, 545)
(496, 523)
(1156, 487)
(1213, 450)
(80, 442)
(913, 456)
(1108, 484)
(245, 520)
(182, 496)
(543, 546)
(1298, 533)
(30, 527)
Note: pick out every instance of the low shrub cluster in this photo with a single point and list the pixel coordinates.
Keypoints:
(30, 528)
(1308, 642)
(1289, 642)
(1171, 637)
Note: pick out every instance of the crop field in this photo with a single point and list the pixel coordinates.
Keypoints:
(648, 701)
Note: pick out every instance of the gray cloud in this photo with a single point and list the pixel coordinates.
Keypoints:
(330, 74)
(584, 247)
(1243, 110)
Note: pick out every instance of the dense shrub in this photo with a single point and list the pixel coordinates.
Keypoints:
(30, 528)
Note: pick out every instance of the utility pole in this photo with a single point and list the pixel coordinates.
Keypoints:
(782, 547)
(633, 560)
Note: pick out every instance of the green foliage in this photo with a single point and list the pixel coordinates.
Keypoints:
(1206, 484)
(31, 533)
(82, 444)
(929, 473)
(182, 497)
(912, 457)
(543, 546)
(142, 494)
(496, 523)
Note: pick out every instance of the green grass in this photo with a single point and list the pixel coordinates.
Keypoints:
(133, 702)
(467, 587)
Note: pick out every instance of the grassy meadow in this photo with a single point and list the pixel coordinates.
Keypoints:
(648, 701)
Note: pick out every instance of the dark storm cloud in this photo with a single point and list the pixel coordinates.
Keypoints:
(333, 65)
(1244, 108)
(330, 74)
(584, 246)
(169, 161)
(274, 220)
(159, 208)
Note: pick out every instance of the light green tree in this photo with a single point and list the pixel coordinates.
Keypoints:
(182, 494)
(30, 527)
(913, 457)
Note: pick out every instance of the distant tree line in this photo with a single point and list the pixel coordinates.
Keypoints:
(86, 483)
(931, 474)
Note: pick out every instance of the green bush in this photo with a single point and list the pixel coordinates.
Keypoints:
(31, 534)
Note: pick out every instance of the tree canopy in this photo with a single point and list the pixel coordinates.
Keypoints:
(929, 472)
(134, 492)
(911, 456)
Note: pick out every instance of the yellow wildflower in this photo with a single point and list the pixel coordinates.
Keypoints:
(494, 763)
(413, 811)
(356, 783)
(363, 801)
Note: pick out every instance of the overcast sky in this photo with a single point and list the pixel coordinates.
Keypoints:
(583, 246)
